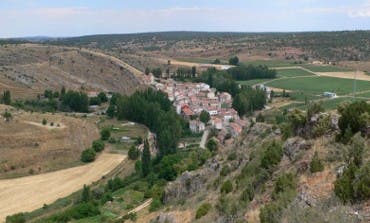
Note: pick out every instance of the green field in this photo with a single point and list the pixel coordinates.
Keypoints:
(253, 82)
(318, 85)
(271, 63)
(293, 73)
(365, 95)
(324, 68)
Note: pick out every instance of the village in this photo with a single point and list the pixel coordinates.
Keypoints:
(191, 99)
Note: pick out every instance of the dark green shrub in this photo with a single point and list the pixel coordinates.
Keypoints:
(227, 187)
(155, 205)
(272, 155)
(203, 210)
(284, 183)
(316, 164)
(98, 145)
(212, 145)
(105, 134)
(232, 156)
(225, 171)
(133, 153)
(270, 213)
(44, 121)
(248, 193)
(88, 155)
(16, 218)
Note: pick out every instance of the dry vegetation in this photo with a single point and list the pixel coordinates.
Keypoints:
(28, 147)
(29, 69)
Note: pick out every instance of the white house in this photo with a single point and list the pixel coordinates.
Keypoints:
(196, 126)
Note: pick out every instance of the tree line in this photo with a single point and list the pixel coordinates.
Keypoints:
(153, 109)
(246, 99)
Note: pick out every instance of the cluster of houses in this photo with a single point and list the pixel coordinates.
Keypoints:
(190, 99)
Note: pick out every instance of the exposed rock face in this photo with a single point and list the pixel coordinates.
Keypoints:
(186, 185)
(294, 146)
(164, 218)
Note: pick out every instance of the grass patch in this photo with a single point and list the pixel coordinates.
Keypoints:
(318, 85)
(293, 73)
(324, 68)
(252, 82)
(271, 63)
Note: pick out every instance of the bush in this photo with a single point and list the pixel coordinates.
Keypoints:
(212, 145)
(270, 213)
(17, 218)
(225, 171)
(88, 155)
(79, 211)
(155, 205)
(105, 134)
(202, 210)
(98, 145)
(272, 155)
(316, 164)
(248, 193)
(284, 183)
(44, 121)
(227, 187)
(133, 153)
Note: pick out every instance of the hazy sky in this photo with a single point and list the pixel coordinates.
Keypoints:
(81, 17)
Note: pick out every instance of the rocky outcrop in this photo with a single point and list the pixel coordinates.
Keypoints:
(294, 146)
(165, 218)
(186, 185)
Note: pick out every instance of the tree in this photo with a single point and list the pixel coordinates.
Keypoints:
(133, 153)
(227, 187)
(105, 134)
(103, 97)
(217, 61)
(146, 159)
(111, 111)
(85, 196)
(234, 60)
(7, 98)
(7, 116)
(316, 164)
(98, 145)
(204, 117)
(147, 71)
(212, 145)
(193, 71)
(157, 72)
(62, 92)
(88, 155)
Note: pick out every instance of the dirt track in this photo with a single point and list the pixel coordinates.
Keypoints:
(29, 193)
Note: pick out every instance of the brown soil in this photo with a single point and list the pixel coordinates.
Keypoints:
(28, 147)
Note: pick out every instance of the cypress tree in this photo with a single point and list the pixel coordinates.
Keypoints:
(145, 159)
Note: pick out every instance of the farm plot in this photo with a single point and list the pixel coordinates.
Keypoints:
(317, 85)
(293, 73)
(29, 193)
(324, 68)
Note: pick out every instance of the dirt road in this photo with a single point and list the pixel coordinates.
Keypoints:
(29, 193)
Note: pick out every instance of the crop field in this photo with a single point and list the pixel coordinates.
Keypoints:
(324, 68)
(318, 85)
(271, 63)
(293, 73)
(201, 60)
(253, 82)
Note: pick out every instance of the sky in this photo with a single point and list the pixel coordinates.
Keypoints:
(62, 18)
